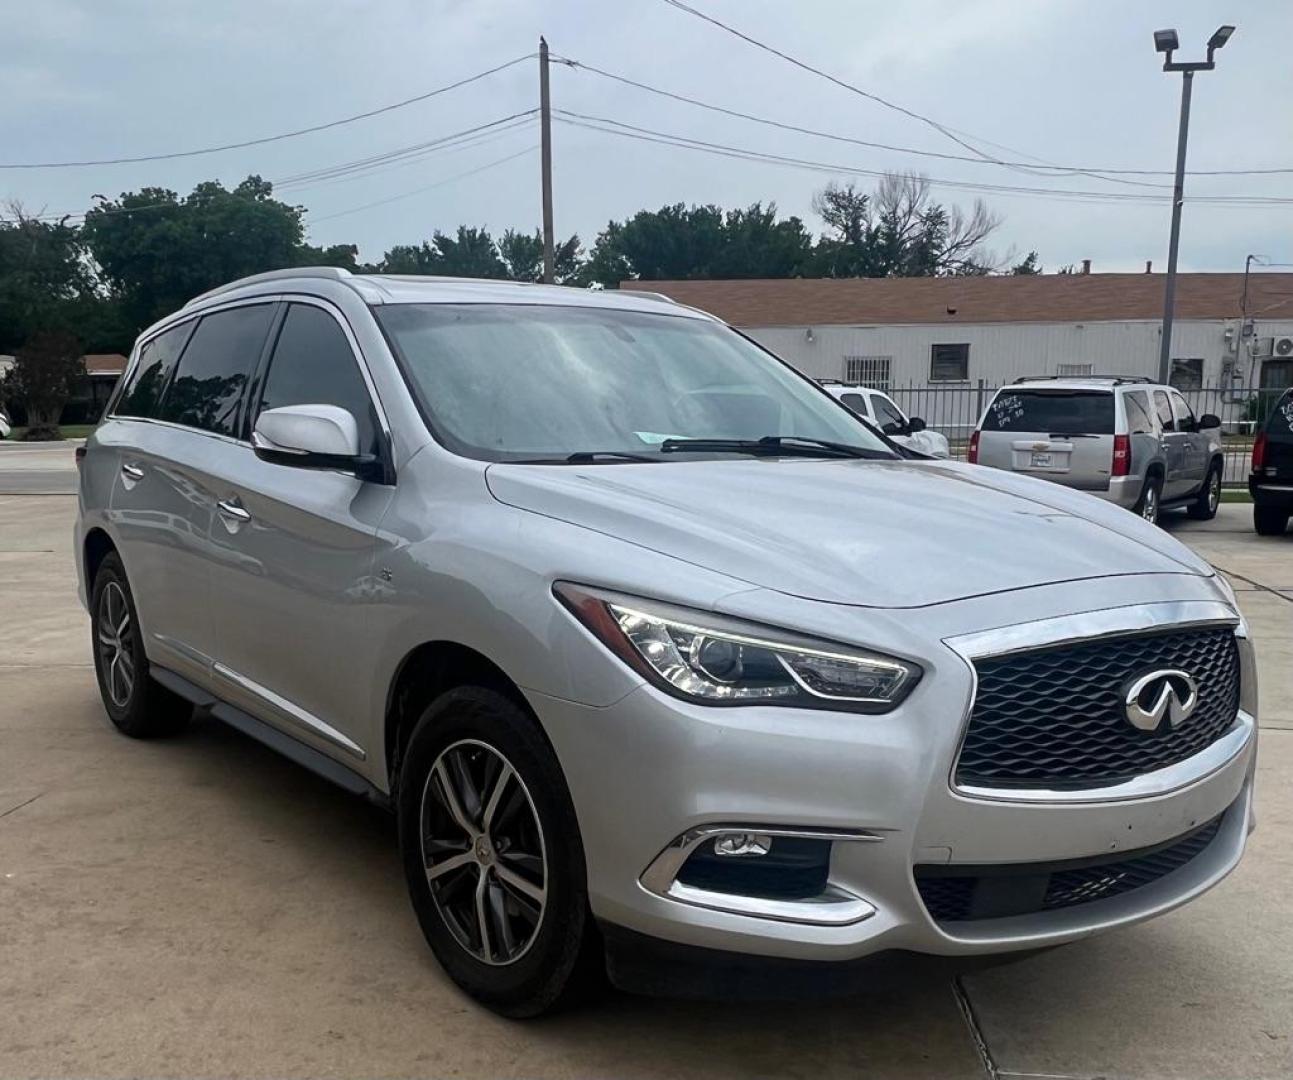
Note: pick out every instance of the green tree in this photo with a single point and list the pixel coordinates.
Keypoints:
(44, 375)
(158, 250)
(45, 281)
(1029, 264)
(899, 231)
(470, 252)
(522, 255)
(678, 242)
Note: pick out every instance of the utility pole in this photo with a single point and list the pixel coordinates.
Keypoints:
(545, 138)
(1167, 42)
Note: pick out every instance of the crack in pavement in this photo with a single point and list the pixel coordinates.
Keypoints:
(1254, 584)
(28, 802)
(971, 1019)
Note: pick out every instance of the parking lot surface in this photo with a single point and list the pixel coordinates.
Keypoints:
(201, 907)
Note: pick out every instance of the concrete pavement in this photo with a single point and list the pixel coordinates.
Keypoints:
(201, 907)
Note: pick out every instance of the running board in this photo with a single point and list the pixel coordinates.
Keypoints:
(305, 756)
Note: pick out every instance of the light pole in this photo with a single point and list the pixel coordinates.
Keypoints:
(1167, 42)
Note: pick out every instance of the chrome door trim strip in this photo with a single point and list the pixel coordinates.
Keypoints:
(295, 712)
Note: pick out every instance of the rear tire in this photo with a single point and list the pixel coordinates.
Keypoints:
(1204, 508)
(493, 857)
(1151, 497)
(1269, 520)
(136, 704)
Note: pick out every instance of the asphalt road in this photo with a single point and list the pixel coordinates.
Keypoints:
(37, 468)
(201, 907)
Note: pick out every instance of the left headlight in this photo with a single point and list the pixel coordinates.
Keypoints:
(715, 660)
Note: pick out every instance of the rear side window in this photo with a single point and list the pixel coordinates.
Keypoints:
(1071, 412)
(207, 389)
(856, 402)
(313, 365)
(1139, 422)
(1164, 409)
(1279, 425)
(141, 394)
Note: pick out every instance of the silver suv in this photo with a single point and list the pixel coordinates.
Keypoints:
(1126, 439)
(654, 648)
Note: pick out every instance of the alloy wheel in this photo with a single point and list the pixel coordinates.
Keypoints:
(1149, 504)
(116, 644)
(484, 852)
(1214, 492)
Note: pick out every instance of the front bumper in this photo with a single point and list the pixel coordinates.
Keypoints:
(650, 769)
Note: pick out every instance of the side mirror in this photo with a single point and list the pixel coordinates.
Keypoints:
(1209, 420)
(915, 424)
(311, 437)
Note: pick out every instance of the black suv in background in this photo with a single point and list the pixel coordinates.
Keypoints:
(1271, 481)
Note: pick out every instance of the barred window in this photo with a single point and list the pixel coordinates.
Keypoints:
(1073, 369)
(870, 371)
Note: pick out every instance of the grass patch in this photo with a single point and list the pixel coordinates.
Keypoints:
(69, 431)
(1235, 495)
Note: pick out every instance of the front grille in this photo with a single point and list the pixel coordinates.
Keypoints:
(964, 893)
(1054, 717)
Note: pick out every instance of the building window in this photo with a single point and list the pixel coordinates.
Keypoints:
(1073, 369)
(870, 371)
(1187, 374)
(949, 363)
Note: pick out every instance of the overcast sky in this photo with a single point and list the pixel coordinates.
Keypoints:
(1063, 81)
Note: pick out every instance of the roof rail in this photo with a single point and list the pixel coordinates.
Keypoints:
(1117, 380)
(332, 273)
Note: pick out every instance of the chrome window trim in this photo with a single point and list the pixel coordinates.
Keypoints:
(290, 709)
(834, 907)
(1093, 625)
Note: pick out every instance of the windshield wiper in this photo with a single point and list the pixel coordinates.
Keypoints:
(771, 446)
(582, 457)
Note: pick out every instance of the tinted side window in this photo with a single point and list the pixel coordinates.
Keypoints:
(140, 396)
(1139, 422)
(1164, 409)
(313, 365)
(856, 402)
(886, 412)
(207, 388)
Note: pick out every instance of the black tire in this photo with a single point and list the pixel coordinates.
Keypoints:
(1270, 520)
(1150, 501)
(557, 954)
(136, 704)
(1204, 508)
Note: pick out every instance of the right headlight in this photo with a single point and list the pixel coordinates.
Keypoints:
(715, 660)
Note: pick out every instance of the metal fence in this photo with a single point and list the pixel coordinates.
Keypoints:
(956, 411)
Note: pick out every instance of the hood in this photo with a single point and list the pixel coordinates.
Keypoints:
(875, 533)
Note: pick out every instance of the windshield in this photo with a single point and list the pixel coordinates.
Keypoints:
(1082, 412)
(511, 382)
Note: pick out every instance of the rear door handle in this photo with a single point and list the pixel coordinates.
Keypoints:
(132, 472)
(233, 513)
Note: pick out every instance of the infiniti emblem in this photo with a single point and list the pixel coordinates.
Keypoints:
(1169, 693)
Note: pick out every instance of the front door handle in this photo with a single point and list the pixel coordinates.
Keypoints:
(132, 472)
(233, 513)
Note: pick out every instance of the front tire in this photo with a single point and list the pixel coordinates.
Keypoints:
(136, 704)
(1204, 508)
(1269, 520)
(493, 857)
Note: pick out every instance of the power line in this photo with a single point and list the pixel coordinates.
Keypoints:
(1071, 169)
(617, 127)
(305, 181)
(943, 129)
(428, 187)
(272, 138)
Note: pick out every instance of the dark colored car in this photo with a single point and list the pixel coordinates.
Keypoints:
(1271, 481)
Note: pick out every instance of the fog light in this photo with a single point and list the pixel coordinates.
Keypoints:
(751, 844)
